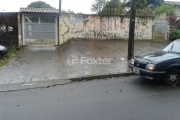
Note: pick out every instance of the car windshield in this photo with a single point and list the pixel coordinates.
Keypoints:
(173, 47)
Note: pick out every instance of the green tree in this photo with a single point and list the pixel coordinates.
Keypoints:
(118, 6)
(166, 8)
(69, 11)
(174, 35)
(147, 3)
(112, 7)
(39, 4)
(155, 2)
(98, 5)
(63, 11)
(114, 4)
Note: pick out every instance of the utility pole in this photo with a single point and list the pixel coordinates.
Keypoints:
(59, 15)
(131, 30)
(59, 7)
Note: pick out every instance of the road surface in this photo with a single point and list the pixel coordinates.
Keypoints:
(130, 98)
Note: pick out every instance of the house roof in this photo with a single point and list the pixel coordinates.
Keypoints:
(39, 10)
(172, 2)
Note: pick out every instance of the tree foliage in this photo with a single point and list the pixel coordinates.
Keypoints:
(166, 8)
(39, 4)
(98, 5)
(113, 4)
(175, 21)
(69, 11)
(155, 2)
(115, 7)
(174, 35)
(147, 3)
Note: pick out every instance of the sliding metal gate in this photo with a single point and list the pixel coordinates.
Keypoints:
(40, 30)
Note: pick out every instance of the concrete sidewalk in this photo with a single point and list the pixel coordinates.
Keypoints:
(46, 63)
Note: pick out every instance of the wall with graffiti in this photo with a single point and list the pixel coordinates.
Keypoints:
(106, 28)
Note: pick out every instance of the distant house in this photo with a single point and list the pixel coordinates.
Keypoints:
(177, 4)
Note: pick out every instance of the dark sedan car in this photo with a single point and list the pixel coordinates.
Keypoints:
(160, 65)
(3, 50)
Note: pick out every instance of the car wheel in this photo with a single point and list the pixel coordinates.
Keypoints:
(173, 77)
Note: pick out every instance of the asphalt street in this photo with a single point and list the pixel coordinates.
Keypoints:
(130, 98)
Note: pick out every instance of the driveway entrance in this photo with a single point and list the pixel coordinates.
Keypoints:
(39, 26)
(40, 30)
(45, 63)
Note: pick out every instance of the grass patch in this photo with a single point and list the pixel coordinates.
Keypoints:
(11, 54)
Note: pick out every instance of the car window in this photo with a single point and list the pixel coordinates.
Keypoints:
(168, 48)
(174, 47)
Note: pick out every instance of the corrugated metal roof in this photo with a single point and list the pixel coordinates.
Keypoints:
(39, 10)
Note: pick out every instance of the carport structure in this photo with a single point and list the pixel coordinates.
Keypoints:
(39, 26)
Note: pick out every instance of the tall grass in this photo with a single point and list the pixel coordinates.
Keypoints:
(11, 54)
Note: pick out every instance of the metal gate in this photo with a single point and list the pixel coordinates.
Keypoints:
(160, 29)
(40, 30)
(8, 29)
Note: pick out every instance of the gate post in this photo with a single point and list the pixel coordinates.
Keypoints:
(23, 29)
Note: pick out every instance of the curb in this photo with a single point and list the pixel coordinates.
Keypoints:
(101, 76)
(32, 85)
(47, 84)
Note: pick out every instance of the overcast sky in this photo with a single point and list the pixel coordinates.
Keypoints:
(83, 6)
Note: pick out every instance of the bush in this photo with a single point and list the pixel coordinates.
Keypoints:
(174, 35)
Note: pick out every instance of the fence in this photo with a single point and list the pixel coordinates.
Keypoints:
(119, 11)
(8, 29)
(173, 24)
